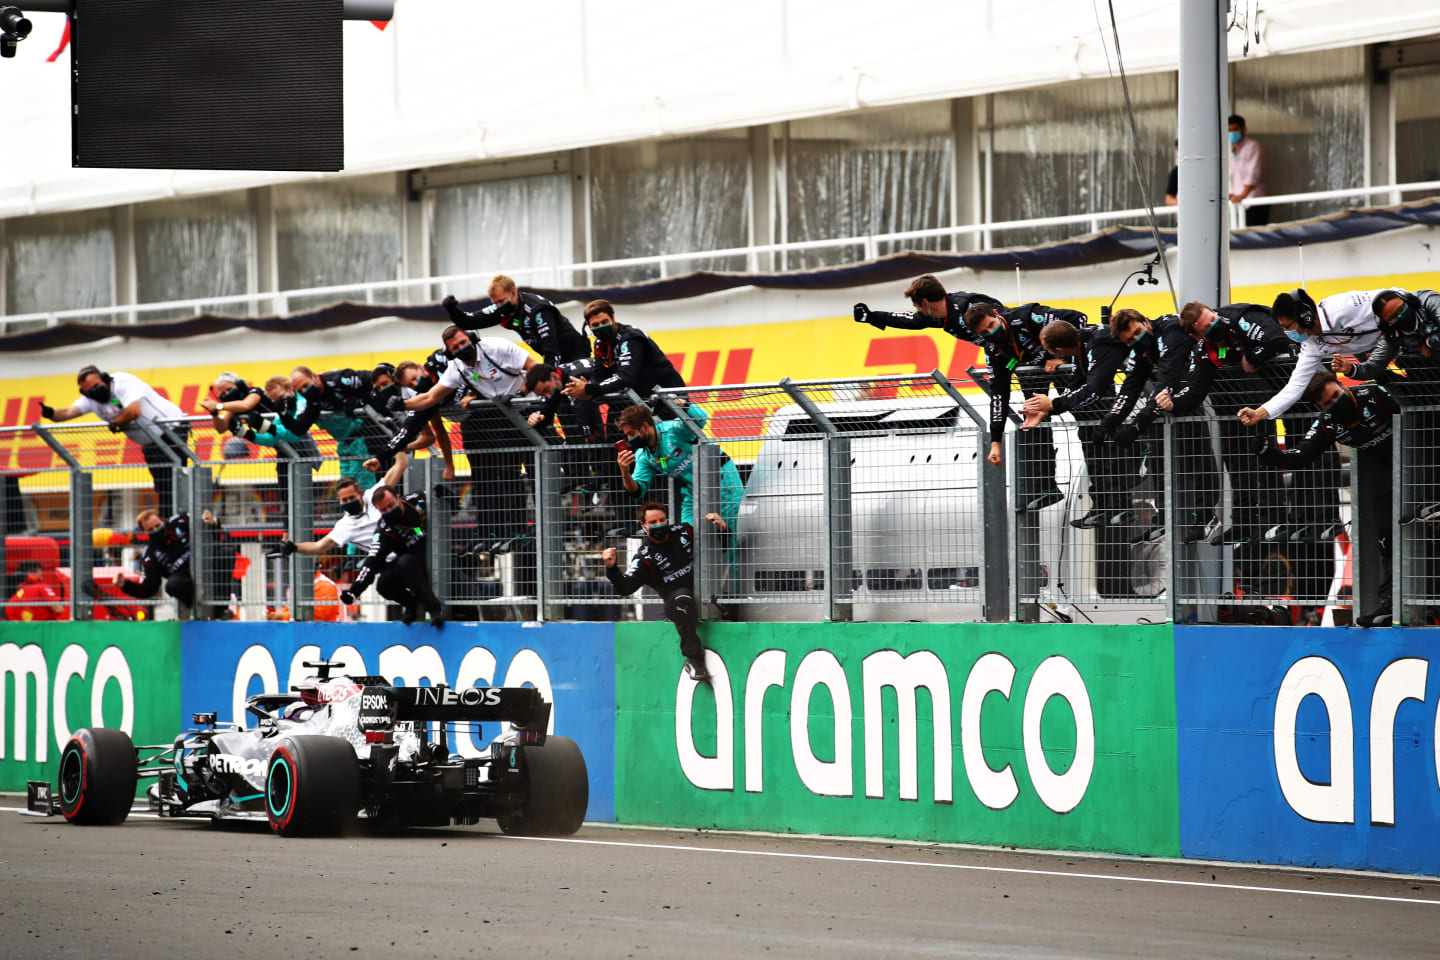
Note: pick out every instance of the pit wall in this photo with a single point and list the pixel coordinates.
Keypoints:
(1310, 747)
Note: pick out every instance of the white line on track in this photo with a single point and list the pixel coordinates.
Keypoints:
(972, 867)
(979, 868)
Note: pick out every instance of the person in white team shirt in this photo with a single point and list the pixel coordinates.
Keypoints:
(130, 405)
(356, 526)
(1344, 324)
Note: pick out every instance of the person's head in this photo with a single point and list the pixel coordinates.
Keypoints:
(542, 379)
(303, 378)
(1060, 339)
(94, 383)
(229, 387)
(1236, 126)
(656, 520)
(1197, 319)
(278, 387)
(29, 571)
(149, 521)
(1394, 307)
(1130, 326)
(600, 318)
(982, 320)
(383, 376)
(1295, 312)
(386, 500)
(1325, 390)
(504, 293)
(637, 423)
(927, 295)
(407, 374)
(351, 500)
(458, 344)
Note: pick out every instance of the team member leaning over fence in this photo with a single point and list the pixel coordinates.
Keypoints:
(934, 308)
(539, 322)
(666, 448)
(1088, 394)
(335, 401)
(355, 530)
(414, 379)
(397, 557)
(665, 562)
(1360, 417)
(1161, 351)
(625, 359)
(130, 405)
(238, 407)
(590, 430)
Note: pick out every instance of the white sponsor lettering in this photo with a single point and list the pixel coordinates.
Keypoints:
(374, 701)
(230, 763)
(24, 666)
(707, 773)
(905, 675)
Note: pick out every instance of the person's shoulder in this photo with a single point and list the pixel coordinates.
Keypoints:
(535, 300)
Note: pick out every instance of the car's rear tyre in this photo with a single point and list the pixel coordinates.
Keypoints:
(97, 777)
(557, 790)
(312, 786)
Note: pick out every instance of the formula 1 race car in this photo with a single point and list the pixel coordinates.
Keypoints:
(332, 749)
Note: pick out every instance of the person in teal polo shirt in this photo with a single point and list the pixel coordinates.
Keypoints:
(667, 449)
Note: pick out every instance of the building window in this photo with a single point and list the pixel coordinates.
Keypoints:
(333, 232)
(1417, 125)
(192, 248)
(502, 225)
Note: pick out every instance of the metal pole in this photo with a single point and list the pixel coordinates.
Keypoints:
(82, 546)
(198, 482)
(300, 521)
(1203, 213)
(1172, 512)
(835, 495)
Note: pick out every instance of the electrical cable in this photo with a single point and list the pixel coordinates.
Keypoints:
(1135, 157)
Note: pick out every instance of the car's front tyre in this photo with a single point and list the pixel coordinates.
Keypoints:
(97, 777)
(312, 786)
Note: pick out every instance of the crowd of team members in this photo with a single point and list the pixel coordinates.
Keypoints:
(1250, 362)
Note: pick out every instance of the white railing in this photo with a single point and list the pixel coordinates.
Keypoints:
(758, 257)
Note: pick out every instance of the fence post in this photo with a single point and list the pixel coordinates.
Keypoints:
(439, 526)
(300, 522)
(1172, 513)
(549, 535)
(836, 504)
(1364, 550)
(199, 490)
(1024, 531)
(82, 544)
(1399, 549)
(990, 503)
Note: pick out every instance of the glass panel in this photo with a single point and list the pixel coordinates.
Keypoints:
(337, 231)
(502, 225)
(873, 171)
(1308, 114)
(1066, 149)
(1417, 126)
(670, 196)
(60, 262)
(192, 248)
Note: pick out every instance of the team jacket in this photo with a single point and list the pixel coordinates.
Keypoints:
(167, 553)
(540, 324)
(668, 567)
(1372, 428)
(1407, 338)
(346, 391)
(1016, 343)
(1241, 331)
(954, 323)
(631, 361)
(585, 412)
(1165, 356)
(1090, 391)
(392, 540)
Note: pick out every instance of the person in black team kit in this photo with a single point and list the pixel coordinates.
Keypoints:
(934, 309)
(1088, 394)
(1161, 350)
(539, 322)
(1361, 418)
(398, 557)
(167, 560)
(666, 563)
(625, 359)
(1012, 339)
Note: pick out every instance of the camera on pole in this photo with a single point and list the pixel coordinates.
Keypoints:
(13, 28)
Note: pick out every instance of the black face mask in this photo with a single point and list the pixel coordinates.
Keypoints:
(465, 354)
(659, 532)
(1216, 331)
(508, 310)
(396, 513)
(996, 334)
(1409, 310)
(353, 507)
(382, 395)
(1345, 409)
(605, 331)
(236, 392)
(638, 442)
(100, 393)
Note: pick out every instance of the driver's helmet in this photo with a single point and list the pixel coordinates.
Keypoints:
(297, 711)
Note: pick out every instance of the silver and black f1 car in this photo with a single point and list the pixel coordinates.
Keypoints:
(334, 748)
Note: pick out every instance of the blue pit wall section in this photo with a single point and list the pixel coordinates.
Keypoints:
(572, 663)
(1303, 746)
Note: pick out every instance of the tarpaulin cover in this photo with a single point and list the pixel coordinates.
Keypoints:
(1114, 243)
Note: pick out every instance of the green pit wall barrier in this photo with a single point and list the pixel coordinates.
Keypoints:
(59, 677)
(1054, 736)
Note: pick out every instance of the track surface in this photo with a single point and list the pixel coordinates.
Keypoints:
(185, 888)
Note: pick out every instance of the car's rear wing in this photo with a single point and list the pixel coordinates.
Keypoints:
(520, 706)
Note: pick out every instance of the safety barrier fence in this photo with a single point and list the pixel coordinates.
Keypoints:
(835, 500)
(1311, 747)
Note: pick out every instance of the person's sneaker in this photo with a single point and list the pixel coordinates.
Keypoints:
(437, 617)
(1123, 519)
(1236, 535)
(695, 669)
(408, 615)
(1279, 532)
(1155, 532)
(1048, 499)
(1332, 531)
(1428, 513)
(1301, 532)
(1197, 530)
(1374, 620)
(1096, 517)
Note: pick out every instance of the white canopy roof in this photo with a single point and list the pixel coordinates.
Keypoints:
(456, 80)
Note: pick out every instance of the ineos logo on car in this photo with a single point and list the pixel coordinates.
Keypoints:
(450, 697)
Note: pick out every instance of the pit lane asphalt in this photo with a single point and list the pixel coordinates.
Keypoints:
(186, 888)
